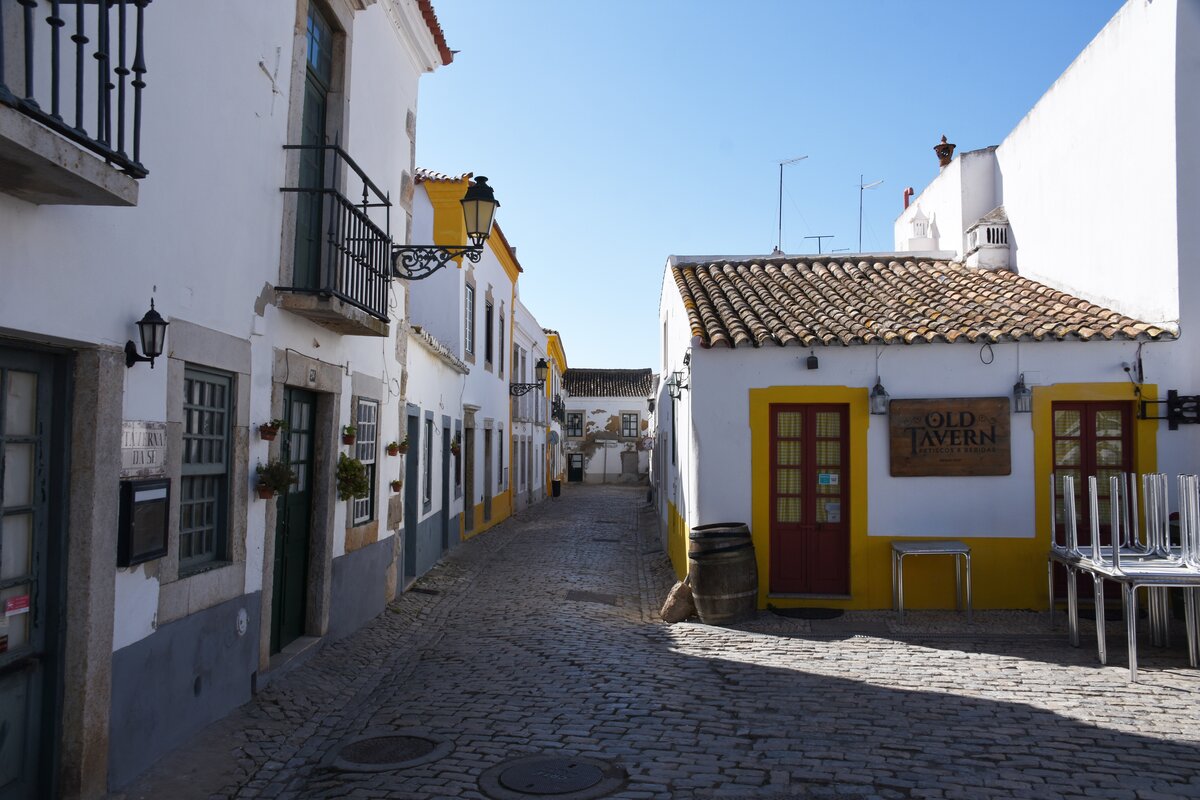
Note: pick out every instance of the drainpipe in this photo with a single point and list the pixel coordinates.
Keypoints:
(908, 193)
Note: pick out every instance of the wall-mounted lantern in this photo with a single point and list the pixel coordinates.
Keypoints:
(879, 398)
(415, 262)
(541, 369)
(675, 385)
(812, 362)
(650, 404)
(1022, 396)
(152, 330)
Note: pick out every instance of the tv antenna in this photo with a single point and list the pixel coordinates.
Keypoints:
(861, 187)
(819, 238)
(782, 164)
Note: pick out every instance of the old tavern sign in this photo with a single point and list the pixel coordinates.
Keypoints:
(952, 436)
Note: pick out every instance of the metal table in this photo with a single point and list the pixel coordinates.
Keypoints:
(958, 550)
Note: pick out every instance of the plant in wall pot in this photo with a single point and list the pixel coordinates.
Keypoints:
(396, 448)
(349, 434)
(456, 445)
(352, 480)
(274, 477)
(268, 430)
(396, 484)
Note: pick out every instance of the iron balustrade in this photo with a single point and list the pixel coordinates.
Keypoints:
(101, 88)
(356, 263)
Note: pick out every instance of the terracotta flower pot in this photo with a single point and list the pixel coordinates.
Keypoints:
(348, 438)
(268, 432)
(402, 449)
(396, 485)
(265, 492)
(393, 450)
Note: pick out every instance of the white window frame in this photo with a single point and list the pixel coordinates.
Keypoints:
(366, 450)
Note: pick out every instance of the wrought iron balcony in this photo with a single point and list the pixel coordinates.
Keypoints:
(71, 64)
(341, 252)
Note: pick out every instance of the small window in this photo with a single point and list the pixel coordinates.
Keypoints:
(365, 450)
(500, 454)
(469, 317)
(500, 349)
(629, 424)
(204, 483)
(427, 491)
(488, 317)
(574, 423)
(458, 459)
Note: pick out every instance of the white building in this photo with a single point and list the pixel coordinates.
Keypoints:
(1052, 263)
(530, 410)
(607, 427)
(280, 306)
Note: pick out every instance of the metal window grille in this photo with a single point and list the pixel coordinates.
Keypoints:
(469, 314)
(366, 450)
(204, 495)
(574, 423)
(500, 349)
(629, 424)
(488, 318)
(500, 459)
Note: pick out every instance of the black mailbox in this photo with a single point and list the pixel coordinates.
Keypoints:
(144, 516)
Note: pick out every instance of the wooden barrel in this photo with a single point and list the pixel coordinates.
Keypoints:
(724, 573)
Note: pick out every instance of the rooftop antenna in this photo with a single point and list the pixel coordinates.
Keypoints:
(819, 238)
(782, 164)
(861, 187)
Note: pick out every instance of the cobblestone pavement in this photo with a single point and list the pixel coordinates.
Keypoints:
(491, 655)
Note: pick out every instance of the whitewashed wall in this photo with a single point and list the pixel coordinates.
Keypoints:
(433, 385)
(599, 414)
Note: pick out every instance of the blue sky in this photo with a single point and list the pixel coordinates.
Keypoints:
(621, 132)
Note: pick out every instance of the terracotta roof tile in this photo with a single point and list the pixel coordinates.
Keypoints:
(435, 29)
(609, 382)
(423, 175)
(812, 301)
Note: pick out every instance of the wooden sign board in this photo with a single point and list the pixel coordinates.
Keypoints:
(951, 436)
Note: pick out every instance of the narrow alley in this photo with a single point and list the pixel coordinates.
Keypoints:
(542, 637)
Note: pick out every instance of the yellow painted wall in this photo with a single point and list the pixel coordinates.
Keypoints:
(1007, 572)
(677, 540)
(501, 510)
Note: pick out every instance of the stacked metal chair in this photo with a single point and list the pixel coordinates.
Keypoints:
(1154, 562)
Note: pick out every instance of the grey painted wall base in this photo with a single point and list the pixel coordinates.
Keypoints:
(429, 541)
(359, 588)
(185, 675)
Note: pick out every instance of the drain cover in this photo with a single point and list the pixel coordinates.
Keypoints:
(387, 750)
(552, 778)
(592, 597)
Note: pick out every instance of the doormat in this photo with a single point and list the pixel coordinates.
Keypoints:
(808, 613)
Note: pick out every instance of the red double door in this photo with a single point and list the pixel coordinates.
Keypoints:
(810, 494)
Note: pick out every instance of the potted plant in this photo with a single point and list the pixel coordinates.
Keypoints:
(456, 445)
(393, 448)
(396, 484)
(268, 430)
(352, 482)
(274, 477)
(401, 446)
(349, 434)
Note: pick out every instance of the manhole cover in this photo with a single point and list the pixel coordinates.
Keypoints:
(555, 777)
(592, 597)
(387, 750)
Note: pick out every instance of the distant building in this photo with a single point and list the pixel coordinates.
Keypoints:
(606, 426)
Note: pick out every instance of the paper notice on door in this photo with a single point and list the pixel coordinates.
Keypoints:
(16, 605)
(833, 512)
(827, 479)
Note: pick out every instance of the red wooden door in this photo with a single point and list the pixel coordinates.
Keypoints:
(810, 531)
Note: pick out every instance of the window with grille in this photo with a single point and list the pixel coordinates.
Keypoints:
(629, 424)
(489, 312)
(500, 459)
(574, 423)
(366, 450)
(427, 467)
(500, 349)
(204, 483)
(469, 319)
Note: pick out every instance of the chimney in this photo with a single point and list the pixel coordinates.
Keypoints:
(945, 152)
(987, 241)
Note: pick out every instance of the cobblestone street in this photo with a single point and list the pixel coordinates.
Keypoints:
(541, 636)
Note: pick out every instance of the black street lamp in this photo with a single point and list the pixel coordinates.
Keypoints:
(541, 369)
(415, 262)
(152, 330)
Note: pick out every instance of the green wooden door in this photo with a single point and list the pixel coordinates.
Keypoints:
(30, 564)
(293, 518)
(319, 74)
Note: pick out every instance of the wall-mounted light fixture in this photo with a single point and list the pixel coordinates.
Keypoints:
(650, 404)
(675, 385)
(415, 262)
(541, 369)
(1022, 396)
(152, 330)
(879, 398)
(811, 362)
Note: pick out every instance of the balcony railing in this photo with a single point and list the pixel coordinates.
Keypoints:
(93, 85)
(354, 263)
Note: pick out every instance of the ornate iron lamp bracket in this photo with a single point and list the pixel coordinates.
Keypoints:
(518, 389)
(414, 262)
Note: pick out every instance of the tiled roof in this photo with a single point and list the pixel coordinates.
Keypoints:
(423, 175)
(609, 382)
(814, 301)
(435, 29)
